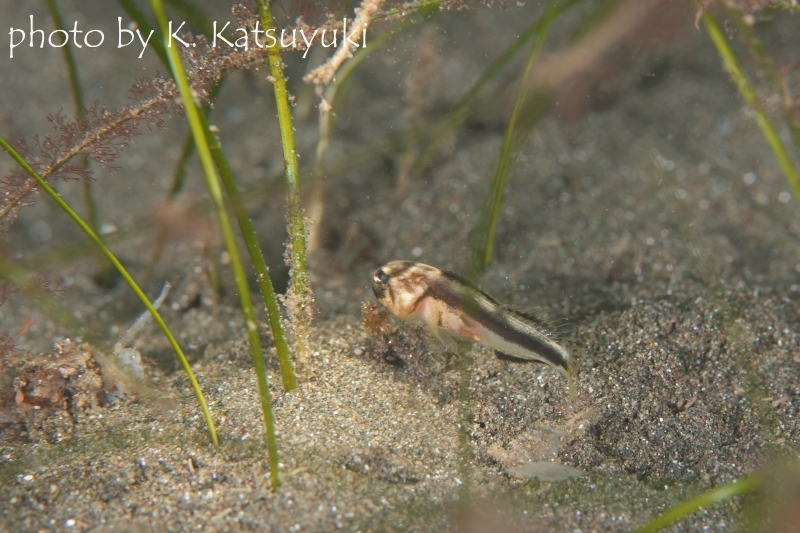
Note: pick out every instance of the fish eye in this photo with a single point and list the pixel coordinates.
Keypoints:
(381, 275)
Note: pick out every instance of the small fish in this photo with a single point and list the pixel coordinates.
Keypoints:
(450, 305)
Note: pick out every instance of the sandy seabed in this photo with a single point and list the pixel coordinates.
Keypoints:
(653, 221)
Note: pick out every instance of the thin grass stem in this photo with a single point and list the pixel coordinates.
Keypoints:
(201, 21)
(77, 99)
(407, 8)
(338, 89)
(301, 301)
(138, 228)
(749, 96)
(88, 140)
(759, 53)
(179, 178)
(92, 216)
(486, 229)
(212, 432)
(461, 109)
(145, 28)
(465, 363)
(335, 94)
(194, 15)
(179, 173)
(215, 192)
(256, 258)
(707, 499)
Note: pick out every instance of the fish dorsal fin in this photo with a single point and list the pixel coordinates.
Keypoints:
(538, 317)
(541, 319)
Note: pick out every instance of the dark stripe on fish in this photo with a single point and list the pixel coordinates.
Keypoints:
(495, 320)
(513, 359)
(425, 294)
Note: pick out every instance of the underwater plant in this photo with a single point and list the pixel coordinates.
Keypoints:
(194, 85)
(100, 135)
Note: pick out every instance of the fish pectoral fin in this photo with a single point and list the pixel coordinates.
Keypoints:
(445, 339)
(514, 359)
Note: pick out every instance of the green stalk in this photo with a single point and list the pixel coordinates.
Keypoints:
(595, 20)
(178, 179)
(145, 28)
(180, 169)
(303, 298)
(256, 257)
(465, 363)
(707, 499)
(338, 89)
(194, 15)
(212, 432)
(404, 11)
(179, 173)
(483, 248)
(749, 96)
(77, 99)
(335, 94)
(460, 111)
(80, 113)
(215, 192)
(138, 228)
(759, 53)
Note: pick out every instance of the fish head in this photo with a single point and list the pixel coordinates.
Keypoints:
(399, 286)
